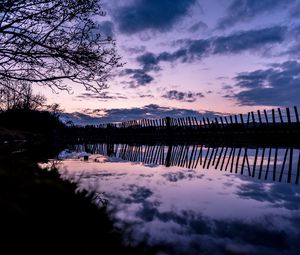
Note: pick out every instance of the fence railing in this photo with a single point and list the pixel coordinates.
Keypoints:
(259, 118)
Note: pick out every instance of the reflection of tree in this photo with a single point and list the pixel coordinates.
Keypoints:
(47, 41)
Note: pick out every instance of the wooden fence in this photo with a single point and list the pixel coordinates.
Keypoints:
(265, 117)
(265, 126)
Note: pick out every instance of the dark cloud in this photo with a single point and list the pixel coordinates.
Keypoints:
(106, 29)
(145, 95)
(280, 196)
(152, 111)
(138, 194)
(139, 76)
(149, 61)
(203, 234)
(244, 10)
(275, 86)
(102, 95)
(182, 96)
(179, 176)
(158, 15)
(135, 50)
(192, 50)
(198, 26)
(248, 40)
(295, 11)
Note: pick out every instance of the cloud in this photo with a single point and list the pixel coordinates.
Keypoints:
(134, 50)
(275, 86)
(145, 95)
(198, 26)
(295, 11)
(151, 111)
(248, 40)
(280, 196)
(179, 176)
(244, 10)
(231, 44)
(194, 233)
(192, 50)
(159, 15)
(182, 96)
(138, 76)
(102, 95)
(106, 29)
(149, 61)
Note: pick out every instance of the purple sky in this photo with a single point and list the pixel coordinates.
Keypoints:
(193, 56)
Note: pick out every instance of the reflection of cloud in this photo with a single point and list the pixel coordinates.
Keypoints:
(177, 176)
(255, 233)
(138, 194)
(196, 233)
(279, 195)
(113, 160)
(145, 219)
(190, 232)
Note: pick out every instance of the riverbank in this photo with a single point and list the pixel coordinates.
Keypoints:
(40, 209)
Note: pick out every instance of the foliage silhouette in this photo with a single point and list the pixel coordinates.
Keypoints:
(48, 41)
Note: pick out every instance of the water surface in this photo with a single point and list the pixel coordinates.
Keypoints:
(192, 199)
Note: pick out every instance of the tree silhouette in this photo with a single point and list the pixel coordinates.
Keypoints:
(20, 97)
(48, 41)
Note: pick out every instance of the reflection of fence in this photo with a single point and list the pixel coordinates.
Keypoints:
(280, 124)
(275, 164)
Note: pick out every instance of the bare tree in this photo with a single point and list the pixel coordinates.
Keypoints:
(47, 41)
(20, 96)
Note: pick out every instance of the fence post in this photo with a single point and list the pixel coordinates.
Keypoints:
(242, 119)
(168, 122)
(296, 113)
(288, 115)
(266, 116)
(259, 117)
(280, 115)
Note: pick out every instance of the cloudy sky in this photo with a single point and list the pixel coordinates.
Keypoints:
(189, 56)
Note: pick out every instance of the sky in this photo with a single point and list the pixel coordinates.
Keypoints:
(191, 57)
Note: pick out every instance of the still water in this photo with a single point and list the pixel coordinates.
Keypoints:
(194, 199)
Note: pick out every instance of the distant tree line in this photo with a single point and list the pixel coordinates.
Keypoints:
(20, 97)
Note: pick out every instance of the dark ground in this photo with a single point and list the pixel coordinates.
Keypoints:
(39, 212)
